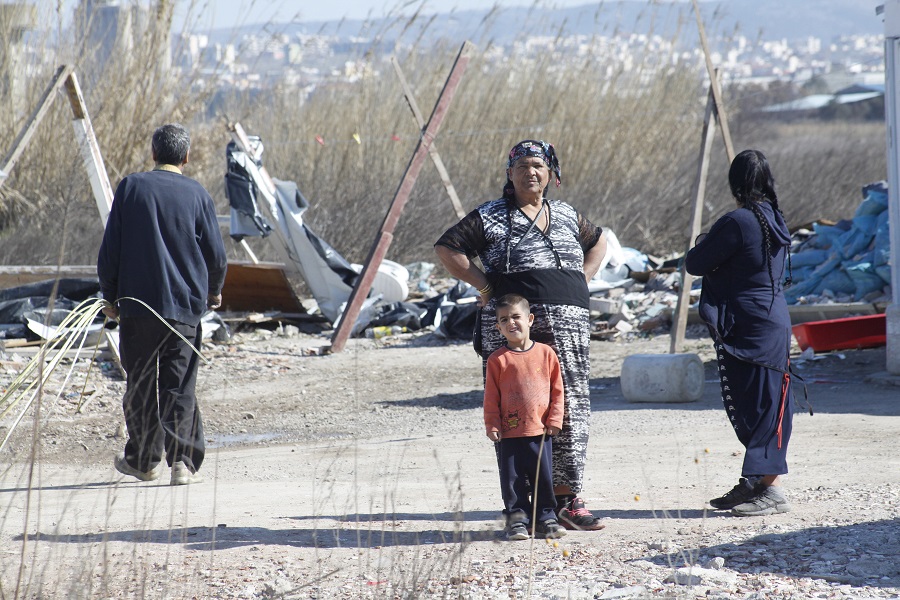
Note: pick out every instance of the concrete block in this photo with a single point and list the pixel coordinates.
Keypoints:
(662, 378)
(604, 306)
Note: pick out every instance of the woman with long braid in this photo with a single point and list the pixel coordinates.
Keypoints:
(742, 261)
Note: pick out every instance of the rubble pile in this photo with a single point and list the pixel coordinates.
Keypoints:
(845, 261)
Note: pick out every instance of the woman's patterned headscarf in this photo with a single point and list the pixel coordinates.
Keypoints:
(539, 148)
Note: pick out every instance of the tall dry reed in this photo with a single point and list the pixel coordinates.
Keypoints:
(627, 130)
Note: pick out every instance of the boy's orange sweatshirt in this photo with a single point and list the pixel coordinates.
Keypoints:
(523, 391)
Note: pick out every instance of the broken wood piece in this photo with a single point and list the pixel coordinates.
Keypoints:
(260, 288)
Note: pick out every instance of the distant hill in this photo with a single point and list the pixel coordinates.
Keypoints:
(765, 19)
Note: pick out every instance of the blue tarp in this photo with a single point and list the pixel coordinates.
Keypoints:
(848, 258)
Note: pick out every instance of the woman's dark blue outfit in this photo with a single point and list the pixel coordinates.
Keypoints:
(743, 305)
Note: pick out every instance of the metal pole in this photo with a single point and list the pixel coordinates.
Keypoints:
(892, 114)
(385, 233)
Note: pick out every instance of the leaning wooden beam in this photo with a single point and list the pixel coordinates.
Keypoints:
(432, 149)
(714, 86)
(385, 233)
(21, 141)
(679, 322)
(90, 149)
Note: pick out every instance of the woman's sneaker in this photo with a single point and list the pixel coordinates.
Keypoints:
(770, 501)
(742, 492)
(549, 529)
(516, 530)
(574, 515)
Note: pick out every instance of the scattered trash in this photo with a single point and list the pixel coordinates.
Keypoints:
(381, 331)
(632, 294)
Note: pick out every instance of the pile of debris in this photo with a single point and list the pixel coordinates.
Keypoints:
(633, 294)
(845, 261)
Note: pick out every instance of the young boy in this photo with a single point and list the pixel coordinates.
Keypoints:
(523, 407)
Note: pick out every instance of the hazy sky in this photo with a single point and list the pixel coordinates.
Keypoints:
(227, 13)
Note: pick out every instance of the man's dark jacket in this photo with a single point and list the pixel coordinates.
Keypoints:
(162, 245)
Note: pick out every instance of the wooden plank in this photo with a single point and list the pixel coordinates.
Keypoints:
(21, 141)
(714, 86)
(90, 149)
(259, 287)
(14, 276)
(385, 234)
(679, 319)
(432, 149)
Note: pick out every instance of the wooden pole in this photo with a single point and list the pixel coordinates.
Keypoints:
(432, 149)
(90, 149)
(679, 321)
(385, 234)
(714, 87)
(21, 141)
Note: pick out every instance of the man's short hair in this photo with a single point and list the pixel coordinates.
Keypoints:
(171, 144)
(510, 300)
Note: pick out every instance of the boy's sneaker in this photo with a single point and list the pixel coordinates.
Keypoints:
(742, 492)
(124, 468)
(770, 501)
(549, 529)
(181, 475)
(516, 531)
(574, 515)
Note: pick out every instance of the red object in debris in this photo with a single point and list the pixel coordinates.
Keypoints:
(320, 139)
(867, 331)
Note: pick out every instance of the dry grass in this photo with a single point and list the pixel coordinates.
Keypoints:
(628, 139)
(48, 190)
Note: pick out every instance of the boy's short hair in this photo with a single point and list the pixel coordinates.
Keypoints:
(510, 300)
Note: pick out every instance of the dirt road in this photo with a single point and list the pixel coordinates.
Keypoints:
(366, 474)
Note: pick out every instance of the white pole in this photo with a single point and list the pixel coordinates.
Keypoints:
(892, 117)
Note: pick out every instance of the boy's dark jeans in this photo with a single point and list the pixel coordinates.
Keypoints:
(518, 458)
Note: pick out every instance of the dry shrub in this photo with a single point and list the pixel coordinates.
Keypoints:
(129, 91)
(628, 136)
(619, 134)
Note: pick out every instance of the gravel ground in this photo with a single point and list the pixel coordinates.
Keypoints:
(366, 474)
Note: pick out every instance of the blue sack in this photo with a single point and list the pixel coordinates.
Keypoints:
(809, 258)
(838, 282)
(864, 278)
(875, 199)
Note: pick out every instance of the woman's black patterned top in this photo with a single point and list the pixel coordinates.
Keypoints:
(542, 266)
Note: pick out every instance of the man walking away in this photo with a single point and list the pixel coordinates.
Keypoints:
(162, 247)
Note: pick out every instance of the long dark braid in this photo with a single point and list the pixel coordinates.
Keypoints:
(753, 205)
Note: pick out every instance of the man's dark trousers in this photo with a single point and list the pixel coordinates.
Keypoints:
(167, 422)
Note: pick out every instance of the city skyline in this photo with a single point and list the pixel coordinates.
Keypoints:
(230, 13)
(236, 13)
